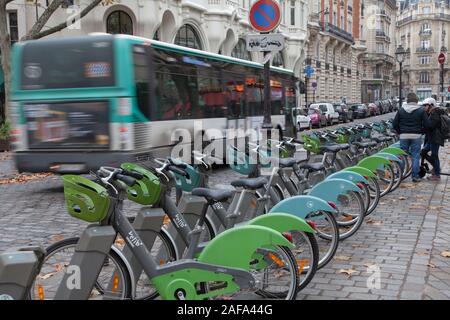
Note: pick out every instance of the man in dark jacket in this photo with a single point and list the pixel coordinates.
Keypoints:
(409, 122)
(434, 137)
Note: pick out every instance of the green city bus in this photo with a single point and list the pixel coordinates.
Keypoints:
(78, 103)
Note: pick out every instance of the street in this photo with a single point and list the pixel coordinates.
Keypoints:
(401, 251)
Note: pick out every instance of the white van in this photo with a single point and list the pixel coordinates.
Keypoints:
(301, 119)
(328, 110)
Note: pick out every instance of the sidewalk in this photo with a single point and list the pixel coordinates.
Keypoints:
(405, 239)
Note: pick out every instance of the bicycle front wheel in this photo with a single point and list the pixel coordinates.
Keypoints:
(55, 265)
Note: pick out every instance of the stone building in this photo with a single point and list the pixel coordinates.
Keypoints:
(378, 63)
(423, 27)
(335, 47)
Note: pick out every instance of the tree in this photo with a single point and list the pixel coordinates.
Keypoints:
(35, 32)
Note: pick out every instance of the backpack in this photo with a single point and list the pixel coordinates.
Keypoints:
(445, 126)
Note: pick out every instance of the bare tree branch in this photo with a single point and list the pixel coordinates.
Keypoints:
(43, 19)
(65, 24)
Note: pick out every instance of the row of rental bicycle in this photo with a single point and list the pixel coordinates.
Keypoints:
(263, 237)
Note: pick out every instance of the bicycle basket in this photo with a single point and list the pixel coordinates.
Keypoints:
(85, 199)
(240, 162)
(146, 191)
(189, 182)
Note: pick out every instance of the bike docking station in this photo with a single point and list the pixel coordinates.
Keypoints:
(18, 270)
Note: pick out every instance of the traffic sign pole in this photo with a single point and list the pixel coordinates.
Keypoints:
(265, 16)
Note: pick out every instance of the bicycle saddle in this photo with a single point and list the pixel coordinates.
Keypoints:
(250, 183)
(336, 147)
(365, 144)
(213, 194)
(315, 166)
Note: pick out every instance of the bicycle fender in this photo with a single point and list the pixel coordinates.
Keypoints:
(373, 162)
(281, 222)
(389, 156)
(394, 150)
(347, 175)
(329, 190)
(235, 247)
(302, 206)
(362, 171)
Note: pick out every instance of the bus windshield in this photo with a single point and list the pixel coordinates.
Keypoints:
(68, 63)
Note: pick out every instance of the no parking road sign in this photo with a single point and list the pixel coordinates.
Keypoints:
(265, 15)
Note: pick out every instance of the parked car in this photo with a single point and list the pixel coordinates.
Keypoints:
(301, 119)
(373, 109)
(345, 114)
(390, 105)
(382, 107)
(360, 111)
(328, 110)
(317, 117)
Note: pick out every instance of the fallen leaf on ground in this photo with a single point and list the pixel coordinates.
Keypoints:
(402, 198)
(23, 178)
(342, 258)
(369, 264)
(357, 245)
(422, 253)
(436, 207)
(445, 254)
(431, 265)
(374, 222)
(48, 275)
(348, 272)
(57, 238)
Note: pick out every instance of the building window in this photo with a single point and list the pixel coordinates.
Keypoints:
(292, 12)
(13, 27)
(349, 26)
(278, 60)
(424, 77)
(335, 18)
(240, 51)
(424, 27)
(425, 59)
(156, 35)
(380, 47)
(188, 37)
(425, 44)
(426, 10)
(342, 22)
(119, 22)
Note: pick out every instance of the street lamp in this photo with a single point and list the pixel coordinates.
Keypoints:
(400, 55)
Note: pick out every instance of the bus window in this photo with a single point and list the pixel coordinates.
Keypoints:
(211, 95)
(142, 79)
(276, 97)
(254, 94)
(68, 63)
(176, 87)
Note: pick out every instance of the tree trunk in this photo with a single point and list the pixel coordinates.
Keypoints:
(5, 47)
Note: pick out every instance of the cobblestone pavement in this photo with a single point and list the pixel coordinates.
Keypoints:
(403, 239)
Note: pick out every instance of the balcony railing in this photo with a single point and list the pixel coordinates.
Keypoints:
(377, 76)
(387, 78)
(382, 34)
(425, 32)
(425, 50)
(331, 28)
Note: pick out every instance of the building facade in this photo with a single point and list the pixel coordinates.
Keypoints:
(335, 47)
(218, 26)
(378, 63)
(423, 27)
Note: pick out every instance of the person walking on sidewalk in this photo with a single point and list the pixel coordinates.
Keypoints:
(434, 138)
(409, 122)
